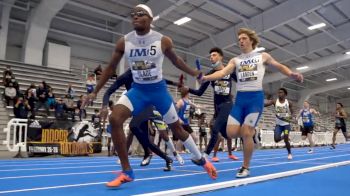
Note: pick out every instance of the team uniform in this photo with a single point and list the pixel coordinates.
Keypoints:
(308, 123)
(340, 123)
(283, 118)
(222, 105)
(249, 103)
(184, 115)
(147, 75)
(139, 124)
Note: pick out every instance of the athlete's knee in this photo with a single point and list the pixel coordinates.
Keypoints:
(233, 131)
(247, 131)
(286, 138)
(178, 131)
(118, 117)
(277, 138)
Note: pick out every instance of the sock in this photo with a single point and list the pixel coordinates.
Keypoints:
(130, 173)
(191, 146)
(171, 146)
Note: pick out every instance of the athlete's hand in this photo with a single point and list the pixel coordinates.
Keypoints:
(297, 76)
(88, 99)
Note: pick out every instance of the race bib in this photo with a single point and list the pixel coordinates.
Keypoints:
(144, 70)
(222, 88)
(248, 73)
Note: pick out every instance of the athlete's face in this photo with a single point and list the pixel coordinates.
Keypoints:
(140, 19)
(306, 105)
(338, 106)
(215, 57)
(281, 94)
(244, 42)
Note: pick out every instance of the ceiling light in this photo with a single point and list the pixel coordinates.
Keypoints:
(348, 52)
(349, 88)
(259, 49)
(182, 21)
(317, 26)
(302, 68)
(331, 79)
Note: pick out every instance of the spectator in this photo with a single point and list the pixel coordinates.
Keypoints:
(60, 109)
(15, 83)
(21, 108)
(41, 93)
(98, 72)
(51, 100)
(70, 91)
(7, 75)
(96, 120)
(76, 115)
(70, 107)
(31, 97)
(32, 88)
(90, 85)
(10, 93)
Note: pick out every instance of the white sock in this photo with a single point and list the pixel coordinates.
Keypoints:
(191, 146)
(171, 146)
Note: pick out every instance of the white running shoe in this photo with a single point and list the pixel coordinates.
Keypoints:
(243, 172)
(290, 157)
(180, 159)
(118, 161)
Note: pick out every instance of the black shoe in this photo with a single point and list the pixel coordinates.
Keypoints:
(146, 160)
(168, 165)
(332, 147)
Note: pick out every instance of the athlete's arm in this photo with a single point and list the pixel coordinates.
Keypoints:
(126, 77)
(112, 65)
(343, 114)
(314, 111)
(201, 90)
(268, 59)
(167, 48)
(269, 103)
(179, 104)
(222, 73)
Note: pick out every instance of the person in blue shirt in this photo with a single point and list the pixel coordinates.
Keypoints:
(307, 117)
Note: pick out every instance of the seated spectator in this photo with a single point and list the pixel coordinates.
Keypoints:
(90, 85)
(21, 108)
(10, 94)
(31, 97)
(32, 88)
(96, 120)
(76, 115)
(7, 75)
(70, 91)
(70, 107)
(41, 93)
(51, 100)
(98, 72)
(60, 110)
(15, 83)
